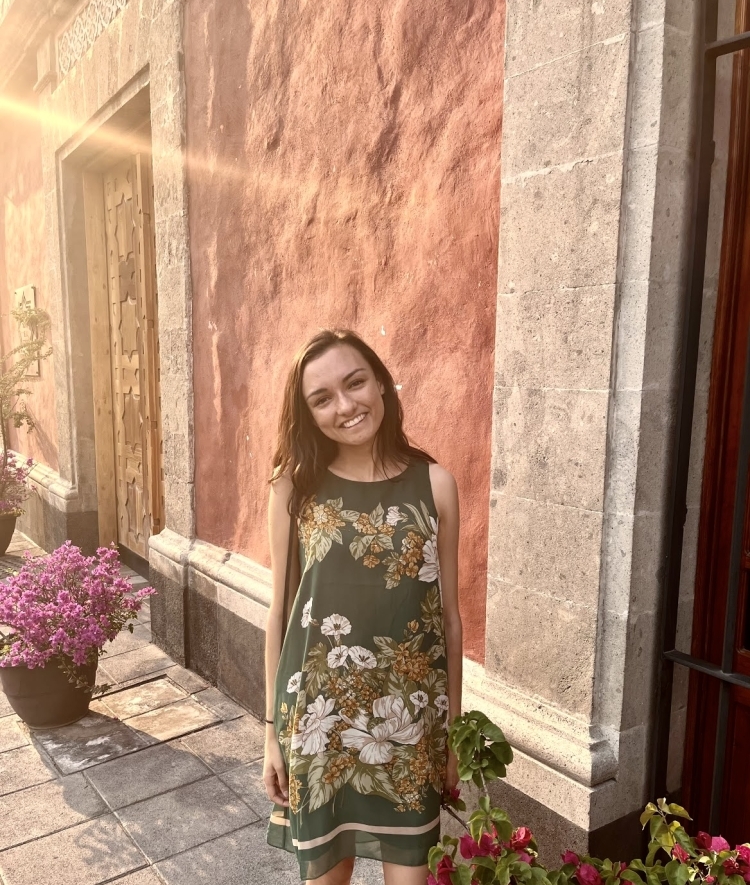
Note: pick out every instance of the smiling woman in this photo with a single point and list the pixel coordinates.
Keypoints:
(369, 673)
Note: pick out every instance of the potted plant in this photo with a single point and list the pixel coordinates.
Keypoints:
(61, 610)
(15, 367)
(493, 852)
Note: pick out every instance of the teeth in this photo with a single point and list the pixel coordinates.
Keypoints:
(354, 421)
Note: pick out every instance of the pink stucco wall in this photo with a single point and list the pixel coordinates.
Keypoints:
(22, 237)
(344, 170)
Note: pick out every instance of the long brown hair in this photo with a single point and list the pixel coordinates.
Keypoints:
(303, 451)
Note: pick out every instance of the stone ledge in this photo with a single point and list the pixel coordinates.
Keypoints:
(554, 737)
(53, 489)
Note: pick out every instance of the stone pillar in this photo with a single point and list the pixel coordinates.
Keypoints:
(595, 178)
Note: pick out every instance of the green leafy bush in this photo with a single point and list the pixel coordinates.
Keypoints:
(493, 852)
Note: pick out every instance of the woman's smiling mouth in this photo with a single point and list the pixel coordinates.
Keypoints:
(354, 421)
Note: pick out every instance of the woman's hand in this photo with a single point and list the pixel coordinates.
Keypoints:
(451, 771)
(274, 770)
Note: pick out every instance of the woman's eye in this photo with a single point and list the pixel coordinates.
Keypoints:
(358, 382)
(322, 401)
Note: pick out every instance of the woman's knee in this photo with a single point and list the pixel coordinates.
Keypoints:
(341, 874)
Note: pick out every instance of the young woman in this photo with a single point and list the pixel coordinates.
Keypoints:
(369, 675)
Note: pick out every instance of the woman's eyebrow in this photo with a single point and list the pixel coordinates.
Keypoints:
(344, 380)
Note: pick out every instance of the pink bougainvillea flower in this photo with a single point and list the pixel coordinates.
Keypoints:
(524, 857)
(66, 605)
(709, 879)
(570, 857)
(743, 853)
(679, 853)
(486, 847)
(520, 839)
(444, 870)
(711, 843)
(588, 875)
(731, 867)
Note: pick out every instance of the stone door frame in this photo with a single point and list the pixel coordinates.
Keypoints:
(97, 95)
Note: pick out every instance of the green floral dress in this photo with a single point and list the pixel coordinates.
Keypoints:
(361, 691)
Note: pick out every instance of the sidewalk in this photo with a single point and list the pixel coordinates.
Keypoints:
(160, 783)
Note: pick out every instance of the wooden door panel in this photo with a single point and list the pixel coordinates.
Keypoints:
(728, 398)
(134, 354)
(736, 811)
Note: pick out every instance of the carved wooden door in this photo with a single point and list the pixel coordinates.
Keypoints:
(134, 348)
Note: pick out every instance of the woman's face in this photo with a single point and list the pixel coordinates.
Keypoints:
(344, 397)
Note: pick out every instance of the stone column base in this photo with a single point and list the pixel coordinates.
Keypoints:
(210, 612)
(55, 513)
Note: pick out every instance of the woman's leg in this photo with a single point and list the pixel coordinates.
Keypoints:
(341, 874)
(394, 874)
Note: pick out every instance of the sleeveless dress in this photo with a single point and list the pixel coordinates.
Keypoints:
(361, 700)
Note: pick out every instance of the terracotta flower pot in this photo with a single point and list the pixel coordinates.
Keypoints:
(7, 527)
(44, 698)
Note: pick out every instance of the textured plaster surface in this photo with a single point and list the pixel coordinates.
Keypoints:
(343, 170)
(22, 243)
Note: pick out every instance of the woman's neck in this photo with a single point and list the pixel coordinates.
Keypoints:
(360, 464)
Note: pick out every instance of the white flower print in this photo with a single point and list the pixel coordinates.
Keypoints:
(336, 626)
(362, 657)
(295, 683)
(441, 702)
(306, 613)
(430, 570)
(314, 726)
(376, 745)
(337, 657)
(419, 699)
(394, 516)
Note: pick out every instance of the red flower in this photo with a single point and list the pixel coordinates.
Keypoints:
(588, 875)
(520, 839)
(486, 847)
(570, 857)
(679, 853)
(444, 870)
(709, 880)
(711, 843)
(743, 853)
(731, 867)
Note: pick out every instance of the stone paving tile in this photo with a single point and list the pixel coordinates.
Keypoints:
(23, 768)
(92, 852)
(146, 773)
(220, 704)
(185, 817)
(228, 745)
(142, 698)
(142, 877)
(170, 722)
(247, 782)
(115, 686)
(235, 859)
(5, 707)
(127, 641)
(140, 662)
(186, 679)
(45, 808)
(11, 735)
(90, 741)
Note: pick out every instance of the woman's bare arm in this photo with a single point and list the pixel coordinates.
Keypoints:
(445, 493)
(278, 532)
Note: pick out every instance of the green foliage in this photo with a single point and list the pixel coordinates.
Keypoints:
(492, 852)
(14, 388)
(480, 747)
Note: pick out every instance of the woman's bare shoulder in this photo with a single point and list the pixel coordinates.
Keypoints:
(444, 487)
